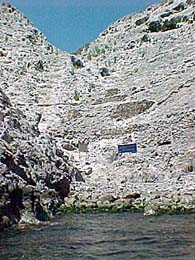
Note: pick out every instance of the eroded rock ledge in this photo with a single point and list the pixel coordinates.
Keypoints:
(149, 198)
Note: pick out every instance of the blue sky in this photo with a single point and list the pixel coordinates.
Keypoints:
(69, 24)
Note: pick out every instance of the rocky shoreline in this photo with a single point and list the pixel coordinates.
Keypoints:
(149, 198)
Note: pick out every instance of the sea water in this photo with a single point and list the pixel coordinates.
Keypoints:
(109, 236)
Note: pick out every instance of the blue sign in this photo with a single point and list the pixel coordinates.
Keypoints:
(127, 148)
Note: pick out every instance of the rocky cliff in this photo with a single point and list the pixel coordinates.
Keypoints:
(35, 172)
(135, 82)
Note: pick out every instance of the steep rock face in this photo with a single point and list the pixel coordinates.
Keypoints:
(32, 164)
(148, 92)
(135, 80)
(25, 61)
(35, 174)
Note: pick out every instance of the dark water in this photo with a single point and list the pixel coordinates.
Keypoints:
(103, 236)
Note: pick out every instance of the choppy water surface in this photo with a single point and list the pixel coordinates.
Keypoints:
(103, 236)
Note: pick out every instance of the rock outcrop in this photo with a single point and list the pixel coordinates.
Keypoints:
(35, 173)
(135, 82)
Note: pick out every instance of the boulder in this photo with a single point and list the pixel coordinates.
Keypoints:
(40, 213)
(62, 186)
(132, 195)
(104, 72)
(5, 222)
(69, 201)
(104, 204)
(151, 209)
(122, 204)
(107, 197)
